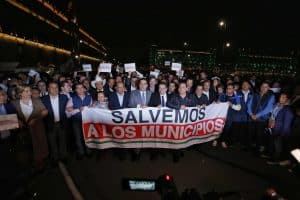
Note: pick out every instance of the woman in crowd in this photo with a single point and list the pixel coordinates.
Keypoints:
(279, 129)
(30, 113)
(101, 101)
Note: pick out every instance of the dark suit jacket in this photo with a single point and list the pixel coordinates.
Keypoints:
(135, 98)
(114, 104)
(10, 109)
(155, 99)
(62, 100)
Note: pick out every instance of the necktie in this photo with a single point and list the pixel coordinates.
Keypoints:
(162, 101)
(144, 98)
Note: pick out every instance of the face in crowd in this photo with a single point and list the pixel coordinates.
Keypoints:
(42, 86)
(162, 89)
(80, 90)
(246, 86)
(172, 87)
(111, 82)
(189, 83)
(220, 89)
(283, 99)
(120, 88)
(182, 89)
(66, 87)
(230, 90)
(152, 82)
(199, 90)
(206, 86)
(53, 89)
(99, 85)
(143, 85)
(86, 84)
(26, 93)
(101, 97)
(35, 93)
(264, 88)
(134, 81)
(118, 79)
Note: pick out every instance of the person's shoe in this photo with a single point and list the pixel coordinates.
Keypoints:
(285, 163)
(272, 162)
(215, 143)
(264, 156)
(224, 145)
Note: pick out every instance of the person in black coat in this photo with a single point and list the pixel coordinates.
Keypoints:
(119, 99)
(200, 98)
(160, 98)
(56, 122)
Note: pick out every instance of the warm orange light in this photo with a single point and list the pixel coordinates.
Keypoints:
(10, 38)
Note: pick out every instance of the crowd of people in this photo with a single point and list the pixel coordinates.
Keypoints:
(263, 115)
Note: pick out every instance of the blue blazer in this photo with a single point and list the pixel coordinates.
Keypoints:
(10, 109)
(62, 100)
(113, 101)
(283, 121)
(244, 116)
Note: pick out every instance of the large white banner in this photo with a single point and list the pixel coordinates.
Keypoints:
(153, 127)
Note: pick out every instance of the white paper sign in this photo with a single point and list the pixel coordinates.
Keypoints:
(167, 63)
(104, 67)
(154, 74)
(32, 73)
(180, 73)
(176, 66)
(296, 154)
(130, 67)
(87, 67)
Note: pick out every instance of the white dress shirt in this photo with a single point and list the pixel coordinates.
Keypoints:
(55, 107)
(132, 88)
(206, 93)
(120, 98)
(26, 109)
(246, 93)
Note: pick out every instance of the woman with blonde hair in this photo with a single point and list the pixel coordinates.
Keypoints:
(30, 113)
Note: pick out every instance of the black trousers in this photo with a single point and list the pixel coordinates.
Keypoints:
(80, 146)
(257, 132)
(57, 142)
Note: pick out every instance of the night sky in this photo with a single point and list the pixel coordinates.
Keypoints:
(128, 28)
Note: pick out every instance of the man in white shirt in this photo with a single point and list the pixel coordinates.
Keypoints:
(56, 122)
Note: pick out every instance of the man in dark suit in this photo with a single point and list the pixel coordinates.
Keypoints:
(200, 98)
(140, 97)
(119, 99)
(56, 121)
(159, 99)
(210, 93)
